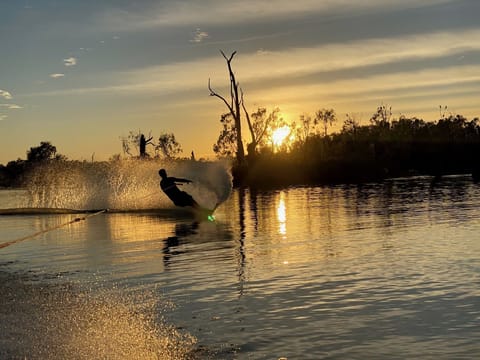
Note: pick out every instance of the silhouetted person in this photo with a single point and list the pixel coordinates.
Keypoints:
(169, 187)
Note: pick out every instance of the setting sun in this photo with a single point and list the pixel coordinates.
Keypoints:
(280, 134)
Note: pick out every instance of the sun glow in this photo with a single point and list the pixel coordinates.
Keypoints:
(280, 134)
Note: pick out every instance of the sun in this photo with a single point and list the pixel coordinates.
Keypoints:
(279, 135)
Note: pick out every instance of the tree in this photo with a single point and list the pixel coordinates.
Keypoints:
(46, 151)
(262, 122)
(226, 145)
(305, 128)
(136, 140)
(168, 146)
(12, 173)
(233, 106)
(127, 141)
(350, 125)
(143, 142)
(325, 117)
(382, 116)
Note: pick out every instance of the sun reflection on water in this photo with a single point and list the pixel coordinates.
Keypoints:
(282, 215)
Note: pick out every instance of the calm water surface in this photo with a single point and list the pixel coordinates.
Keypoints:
(388, 270)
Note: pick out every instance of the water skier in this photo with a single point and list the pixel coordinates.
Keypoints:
(169, 187)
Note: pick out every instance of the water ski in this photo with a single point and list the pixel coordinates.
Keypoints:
(205, 214)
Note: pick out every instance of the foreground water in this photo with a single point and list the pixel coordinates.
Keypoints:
(388, 270)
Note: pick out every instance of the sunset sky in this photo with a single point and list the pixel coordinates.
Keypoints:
(80, 74)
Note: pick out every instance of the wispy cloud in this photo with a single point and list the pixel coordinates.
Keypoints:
(199, 36)
(71, 61)
(3, 117)
(258, 66)
(413, 82)
(257, 70)
(5, 94)
(174, 13)
(10, 106)
(357, 54)
(56, 75)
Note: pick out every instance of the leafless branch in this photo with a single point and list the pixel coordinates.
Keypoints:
(214, 93)
(247, 116)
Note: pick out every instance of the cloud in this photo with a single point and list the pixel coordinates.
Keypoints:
(5, 94)
(357, 54)
(10, 106)
(261, 52)
(71, 61)
(3, 117)
(296, 70)
(199, 36)
(297, 62)
(175, 13)
(56, 76)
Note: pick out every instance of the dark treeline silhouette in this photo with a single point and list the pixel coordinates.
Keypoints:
(13, 173)
(385, 148)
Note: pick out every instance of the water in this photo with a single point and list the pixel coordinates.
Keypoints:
(388, 270)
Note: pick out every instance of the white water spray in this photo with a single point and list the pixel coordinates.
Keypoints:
(123, 185)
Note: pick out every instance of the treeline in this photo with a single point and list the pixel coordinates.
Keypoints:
(384, 148)
(135, 146)
(12, 174)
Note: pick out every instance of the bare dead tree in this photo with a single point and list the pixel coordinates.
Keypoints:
(138, 141)
(143, 142)
(233, 105)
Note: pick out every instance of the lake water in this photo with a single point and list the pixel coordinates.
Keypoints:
(375, 271)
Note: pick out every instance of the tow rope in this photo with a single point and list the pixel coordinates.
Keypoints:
(77, 219)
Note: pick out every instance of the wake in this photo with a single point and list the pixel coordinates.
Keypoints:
(123, 185)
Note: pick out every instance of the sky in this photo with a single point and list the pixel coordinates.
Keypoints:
(81, 74)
